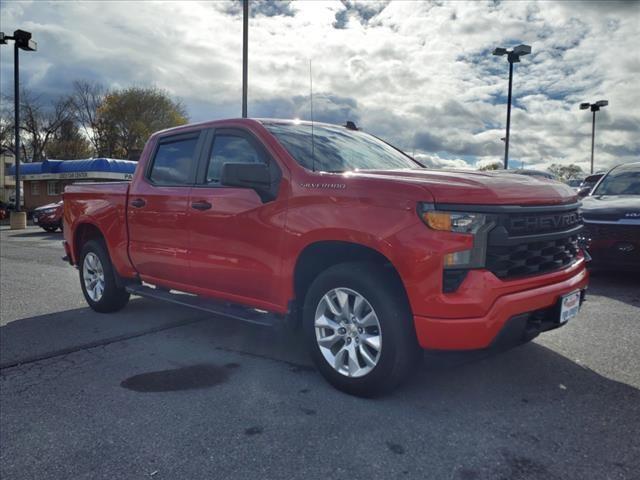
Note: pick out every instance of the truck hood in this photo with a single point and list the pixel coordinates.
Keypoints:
(611, 207)
(475, 188)
(46, 207)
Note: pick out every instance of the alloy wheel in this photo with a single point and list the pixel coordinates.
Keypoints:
(348, 332)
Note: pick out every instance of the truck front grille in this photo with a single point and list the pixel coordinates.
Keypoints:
(533, 240)
(531, 258)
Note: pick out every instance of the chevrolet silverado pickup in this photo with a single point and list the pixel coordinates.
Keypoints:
(374, 256)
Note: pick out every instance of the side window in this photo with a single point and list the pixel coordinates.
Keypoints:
(231, 148)
(174, 162)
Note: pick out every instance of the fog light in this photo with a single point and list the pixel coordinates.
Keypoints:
(457, 258)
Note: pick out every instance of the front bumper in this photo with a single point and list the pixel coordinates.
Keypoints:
(612, 245)
(44, 220)
(477, 332)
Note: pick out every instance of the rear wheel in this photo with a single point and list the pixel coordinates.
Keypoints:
(359, 330)
(98, 279)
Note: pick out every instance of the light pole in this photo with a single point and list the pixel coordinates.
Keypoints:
(513, 56)
(594, 108)
(245, 48)
(21, 41)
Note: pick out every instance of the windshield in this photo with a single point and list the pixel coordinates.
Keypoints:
(337, 149)
(620, 181)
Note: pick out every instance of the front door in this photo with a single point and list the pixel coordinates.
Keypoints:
(158, 211)
(236, 237)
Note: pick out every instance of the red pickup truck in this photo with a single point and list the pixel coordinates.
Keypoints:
(325, 226)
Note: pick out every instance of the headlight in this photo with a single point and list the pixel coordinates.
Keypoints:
(471, 223)
(458, 222)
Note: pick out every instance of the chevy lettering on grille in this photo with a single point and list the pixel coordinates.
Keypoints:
(543, 223)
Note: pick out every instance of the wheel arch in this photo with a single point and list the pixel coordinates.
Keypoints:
(321, 255)
(83, 233)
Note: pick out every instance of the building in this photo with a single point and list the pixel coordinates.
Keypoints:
(7, 183)
(44, 182)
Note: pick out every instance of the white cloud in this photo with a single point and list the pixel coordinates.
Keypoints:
(419, 74)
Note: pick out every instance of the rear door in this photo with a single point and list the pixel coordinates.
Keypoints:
(236, 237)
(158, 209)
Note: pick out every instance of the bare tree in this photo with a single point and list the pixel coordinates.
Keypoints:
(85, 101)
(40, 123)
(6, 124)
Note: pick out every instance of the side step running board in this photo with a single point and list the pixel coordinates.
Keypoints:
(238, 312)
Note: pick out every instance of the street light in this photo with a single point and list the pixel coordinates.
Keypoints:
(245, 47)
(513, 56)
(594, 108)
(21, 41)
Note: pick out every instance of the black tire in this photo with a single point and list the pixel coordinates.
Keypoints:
(400, 351)
(50, 229)
(113, 297)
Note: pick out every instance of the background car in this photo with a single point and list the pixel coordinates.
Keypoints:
(4, 210)
(575, 183)
(611, 215)
(588, 183)
(49, 217)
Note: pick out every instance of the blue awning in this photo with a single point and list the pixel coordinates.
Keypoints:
(89, 168)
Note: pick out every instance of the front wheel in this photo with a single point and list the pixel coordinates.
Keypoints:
(98, 279)
(358, 327)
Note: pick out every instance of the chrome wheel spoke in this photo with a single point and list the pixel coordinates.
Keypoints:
(329, 341)
(343, 301)
(372, 340)
(369, 320)
(338, 359)
(368, 359)
(326, 322)
(354, 364)
(330, 305)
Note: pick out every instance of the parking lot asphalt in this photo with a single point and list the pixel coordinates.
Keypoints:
(164, 392)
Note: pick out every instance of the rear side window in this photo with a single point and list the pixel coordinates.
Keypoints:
(174, 162)
(231, 149)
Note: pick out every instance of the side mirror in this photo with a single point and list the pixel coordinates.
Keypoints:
(250, 175)
(583, 192)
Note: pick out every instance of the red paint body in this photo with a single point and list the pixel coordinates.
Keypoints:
(245, 251)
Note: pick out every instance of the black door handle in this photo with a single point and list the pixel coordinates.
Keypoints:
(201, 205)
(138, 203)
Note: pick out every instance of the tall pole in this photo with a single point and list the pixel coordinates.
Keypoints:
(593, 136)
(245, 41)
(506, 138)
(16, 97)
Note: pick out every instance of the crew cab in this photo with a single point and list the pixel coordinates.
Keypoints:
(330, 228)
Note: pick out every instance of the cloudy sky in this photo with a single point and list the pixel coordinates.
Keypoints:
(419, 74)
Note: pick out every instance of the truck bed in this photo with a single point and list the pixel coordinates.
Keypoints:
(98, 203)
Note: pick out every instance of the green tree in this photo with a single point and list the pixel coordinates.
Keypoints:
(128, 117)
(565, 172)
(491, 166)
(68, 143)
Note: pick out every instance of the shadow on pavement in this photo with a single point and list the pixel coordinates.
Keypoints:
(616, 285)
(39, 233)
(527, 413)
(44, 336)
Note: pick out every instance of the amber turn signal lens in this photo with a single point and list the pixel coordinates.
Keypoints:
(438, 220)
